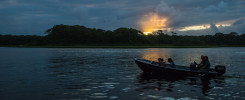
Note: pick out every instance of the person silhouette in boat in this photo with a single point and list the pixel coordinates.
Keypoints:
(195, 66)
(205, 64)
(171, 62)
(202, 62)
(161, 61)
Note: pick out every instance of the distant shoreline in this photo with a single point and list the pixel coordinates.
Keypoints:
(120, 46)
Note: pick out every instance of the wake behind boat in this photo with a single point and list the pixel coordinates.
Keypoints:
(152, 67)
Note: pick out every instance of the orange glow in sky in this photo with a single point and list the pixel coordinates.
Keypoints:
(152, 22)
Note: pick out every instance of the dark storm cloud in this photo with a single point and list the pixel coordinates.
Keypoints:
(239, 25)
(35, 16)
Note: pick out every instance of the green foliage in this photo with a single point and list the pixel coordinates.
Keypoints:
(81, 35)
(8, 40)
(70, 35)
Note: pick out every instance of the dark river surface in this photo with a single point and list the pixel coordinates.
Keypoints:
(92, 73)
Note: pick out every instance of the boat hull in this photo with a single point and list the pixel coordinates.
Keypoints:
(166, 70)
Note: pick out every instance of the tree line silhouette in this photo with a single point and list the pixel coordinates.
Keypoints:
(81, 35)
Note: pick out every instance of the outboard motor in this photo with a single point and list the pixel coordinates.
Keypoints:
(220, 69)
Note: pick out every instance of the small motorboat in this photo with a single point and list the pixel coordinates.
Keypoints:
(153, 67)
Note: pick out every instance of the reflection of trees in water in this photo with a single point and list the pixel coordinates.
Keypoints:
(157, 83)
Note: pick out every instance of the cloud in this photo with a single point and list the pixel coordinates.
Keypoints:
(238, 22)
(221, 7)
(213, 28)
(35, 16)
(239, 26)
(172, 14)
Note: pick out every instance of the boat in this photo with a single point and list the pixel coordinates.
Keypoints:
(177, 71)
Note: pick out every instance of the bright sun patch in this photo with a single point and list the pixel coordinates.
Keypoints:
(152, 22)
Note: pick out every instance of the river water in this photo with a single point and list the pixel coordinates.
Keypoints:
(93, 73)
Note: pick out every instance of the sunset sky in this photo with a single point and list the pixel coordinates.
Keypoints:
(187, 17)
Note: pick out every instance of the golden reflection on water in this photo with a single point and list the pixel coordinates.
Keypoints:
(154, 54)
(179, 57)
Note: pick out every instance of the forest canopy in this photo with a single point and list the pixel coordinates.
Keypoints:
(81, 35)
